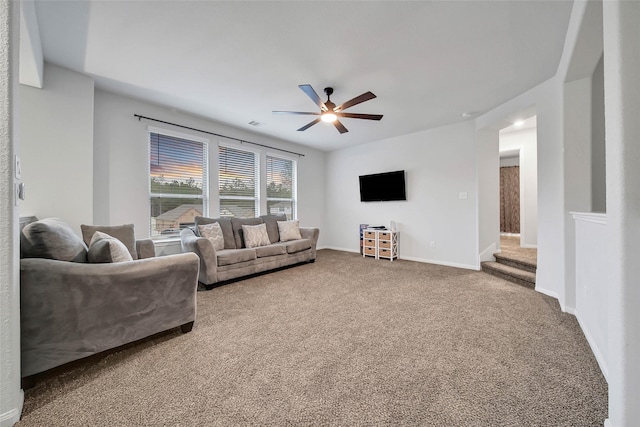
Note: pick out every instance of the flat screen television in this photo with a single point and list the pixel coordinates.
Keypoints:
(382, 187)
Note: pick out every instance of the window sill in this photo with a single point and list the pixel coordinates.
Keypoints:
(165, 241)
(167, 246)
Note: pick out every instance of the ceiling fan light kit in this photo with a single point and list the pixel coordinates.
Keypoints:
(329, 117)
(329, 113)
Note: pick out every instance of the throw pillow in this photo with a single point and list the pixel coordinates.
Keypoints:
(237, 223)
(213, 232)
(105, 248)
(289, 230)
(125, 233)
(225, 224)
(52, 239)
(255, 235)
(272, 225)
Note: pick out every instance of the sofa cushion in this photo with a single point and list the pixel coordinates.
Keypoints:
(300, 245)
(225, 224)
(237, 223)
(289, 230)
(234, 256)
(255, 235)
(125, 233)
(52, 239)
(272, 226)
(213, 232)
(271, 250)
(104, 248)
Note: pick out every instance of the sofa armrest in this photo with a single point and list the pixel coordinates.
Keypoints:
(145, 248)
(72, 310)
(206, 252)
(311, 233)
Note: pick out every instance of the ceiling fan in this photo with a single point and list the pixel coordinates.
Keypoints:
(329, 112)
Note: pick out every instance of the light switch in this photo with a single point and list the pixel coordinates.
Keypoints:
(463, 195)
(18, 169)
(21, 194)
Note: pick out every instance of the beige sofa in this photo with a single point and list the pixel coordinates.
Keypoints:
(236, 260)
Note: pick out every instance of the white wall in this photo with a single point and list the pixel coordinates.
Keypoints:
(31, 59)
(577, 169)
(526, 141)
(100, 158)
(439, 164)
(551, 257)
(622, 103)
(547, 99)
(11, 397)
(56, 127)
(120, 164)
(488, 194)
(592, 283)
(598, 158)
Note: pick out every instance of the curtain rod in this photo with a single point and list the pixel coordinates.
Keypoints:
(216, 134)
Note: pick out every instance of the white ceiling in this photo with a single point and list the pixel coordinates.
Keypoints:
(236, 61)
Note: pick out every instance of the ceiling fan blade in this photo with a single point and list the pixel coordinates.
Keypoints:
(355, 101)
(340, 126)
(313, 95)
(360, 116)
(295, 112)
(308, 125)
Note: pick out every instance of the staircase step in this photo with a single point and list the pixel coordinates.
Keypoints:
(515, 262)
(515, 275)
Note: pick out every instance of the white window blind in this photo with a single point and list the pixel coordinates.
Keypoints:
(177, 183)
(281, 186)
(238, 182)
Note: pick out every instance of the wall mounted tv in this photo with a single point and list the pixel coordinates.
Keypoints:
(382, 187)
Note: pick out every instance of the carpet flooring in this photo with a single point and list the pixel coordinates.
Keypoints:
(510, 247)
(345, 341)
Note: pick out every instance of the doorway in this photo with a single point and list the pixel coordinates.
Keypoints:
(518, 182)
(509, 196)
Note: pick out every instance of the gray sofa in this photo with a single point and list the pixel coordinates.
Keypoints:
(71, 308)
(236, 260)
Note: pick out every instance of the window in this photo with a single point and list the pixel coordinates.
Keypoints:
(281, 186)
(238, 182)
(177, 182)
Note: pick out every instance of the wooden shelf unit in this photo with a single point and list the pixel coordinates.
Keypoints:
(380, 244)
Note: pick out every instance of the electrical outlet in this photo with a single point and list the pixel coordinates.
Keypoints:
(433, 244)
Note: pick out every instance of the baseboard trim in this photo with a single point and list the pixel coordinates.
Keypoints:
(487, 254)
(335, 248)
(607, 423)
(547, 293)
(426, 261)
(594, 348)
(446, 263)
(587, 334)
(12, 416)
(563, 307)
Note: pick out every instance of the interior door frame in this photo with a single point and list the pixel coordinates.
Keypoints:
(512, 152)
